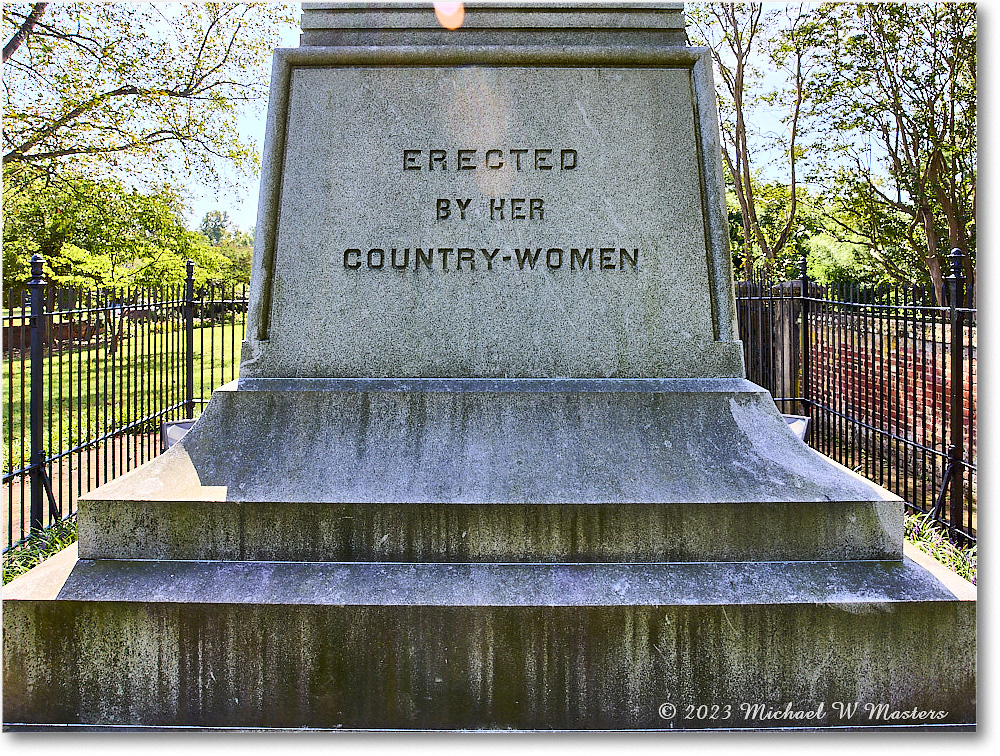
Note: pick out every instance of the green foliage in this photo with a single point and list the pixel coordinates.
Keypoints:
(235, 245)
(37, 548)
(134, 89)
(215, 227)
(238, 254)
(771, 215)
(898, 89)
(928, 536)
(872, 106)
(763, 59)
(99, 94)
(99, 234)
(833, 262)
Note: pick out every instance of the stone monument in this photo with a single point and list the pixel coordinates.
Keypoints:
(491, 460)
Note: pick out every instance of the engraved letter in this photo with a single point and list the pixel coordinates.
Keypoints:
(410, 160)
(443, 251)
(443, 210)
(406, 258)
(465, 160)
(567, 160)
(536, 206)
(421, 257)
(496, 205)
(352, 265)
(489, 257)
(527, 257)
(554, 254)
(632, 260)
(606, 262)
(462, 206)
(517, 209)
(586, 259)
(542, 160)
(371, 258)
(499, 154)
(465, 254)
(437, 156)
(517, 157)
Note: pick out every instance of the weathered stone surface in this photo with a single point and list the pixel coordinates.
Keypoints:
(654, 297)
(306, 531)
(498, 443)
(487, 646)
(491, 470)
(548, 23)
(490, 584)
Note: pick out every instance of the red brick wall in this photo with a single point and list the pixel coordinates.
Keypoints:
(899, 385)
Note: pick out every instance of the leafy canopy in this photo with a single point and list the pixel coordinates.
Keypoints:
(100, 234)
(869, 107)
(235, 245)
(898, 85)
(142, 90)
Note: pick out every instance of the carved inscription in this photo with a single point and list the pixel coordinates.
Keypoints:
(501, 208)
(453, 209)
(541, 159)
(466, 258)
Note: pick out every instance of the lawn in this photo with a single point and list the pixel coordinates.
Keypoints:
(91, 389)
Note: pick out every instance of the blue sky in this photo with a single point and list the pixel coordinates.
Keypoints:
(239, 196)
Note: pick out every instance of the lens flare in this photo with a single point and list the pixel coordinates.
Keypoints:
(450, 15)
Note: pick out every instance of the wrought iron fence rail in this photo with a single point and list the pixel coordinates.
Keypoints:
(874, 428)
(108, 306)
(120, 431)
(885, 307)
(824, 352)
(887, 375)
(103, 370)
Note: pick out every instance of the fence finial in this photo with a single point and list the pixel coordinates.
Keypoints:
(955, 263)
(803, 267)
(37, 261)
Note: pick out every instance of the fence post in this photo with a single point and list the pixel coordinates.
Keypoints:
(189, 340)
(956, 450)
(804, 333)
(37, 288)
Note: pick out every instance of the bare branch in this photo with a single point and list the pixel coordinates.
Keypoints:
(24, 31)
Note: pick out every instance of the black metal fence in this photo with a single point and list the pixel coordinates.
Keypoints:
(92, 376)
(887, 377)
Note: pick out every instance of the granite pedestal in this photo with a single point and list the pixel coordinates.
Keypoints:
(492, 461)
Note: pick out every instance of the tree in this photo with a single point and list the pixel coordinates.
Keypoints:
(235, 245)
(752, 47)
(215, 227)
(100, 234)
(898, 89)
(111, 90)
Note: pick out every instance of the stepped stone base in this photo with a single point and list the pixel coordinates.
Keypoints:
(489, 646)
(369, 554)
(477, 470)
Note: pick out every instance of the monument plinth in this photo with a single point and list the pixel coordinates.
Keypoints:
(492, 460)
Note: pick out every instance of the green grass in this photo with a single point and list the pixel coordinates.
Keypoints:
(37, 548)
(930, 538)
(90, 391)
(143, 368)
